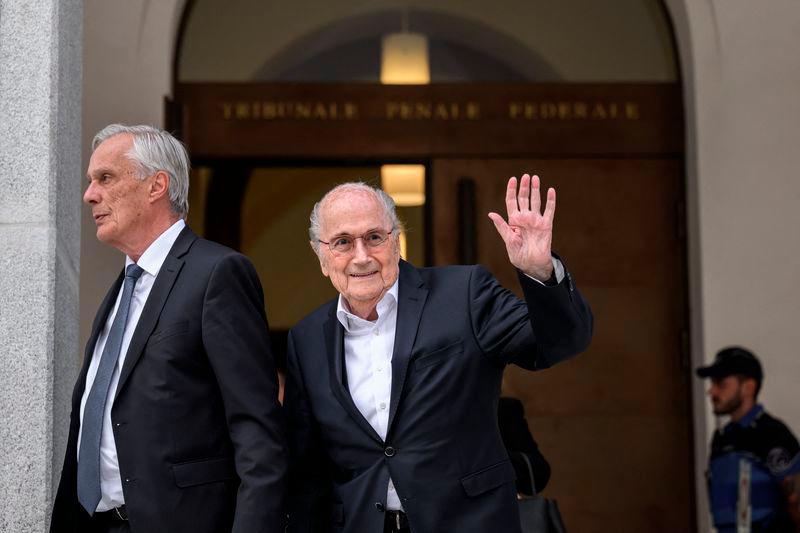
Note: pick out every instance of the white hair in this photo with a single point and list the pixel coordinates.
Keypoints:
(153, 150)
(383, 199)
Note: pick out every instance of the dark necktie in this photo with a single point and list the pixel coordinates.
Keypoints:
(92, 424)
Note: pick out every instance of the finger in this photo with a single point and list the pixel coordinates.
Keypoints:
(550, 207)
(536, 201)
(524, 193)
(511, 197)
(501, 226)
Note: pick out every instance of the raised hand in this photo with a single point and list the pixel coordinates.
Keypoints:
(529, 233)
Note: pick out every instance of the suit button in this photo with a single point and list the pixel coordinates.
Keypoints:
(389, 451)
(379, 506)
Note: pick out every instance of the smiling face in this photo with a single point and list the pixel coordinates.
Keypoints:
(364, 274)
(119, 200)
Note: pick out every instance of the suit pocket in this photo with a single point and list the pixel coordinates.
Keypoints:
(167, 331)
(439, 355)
(488, 478)
(193, 473)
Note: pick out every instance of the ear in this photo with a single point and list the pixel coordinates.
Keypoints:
(397, 248)
(319, 253)
(159, 186)
(749, 386)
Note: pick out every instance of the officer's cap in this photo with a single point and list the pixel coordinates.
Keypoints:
(731, 361)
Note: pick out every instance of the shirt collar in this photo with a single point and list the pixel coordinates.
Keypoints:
(751, 415)
(352, 322)
(155, 255)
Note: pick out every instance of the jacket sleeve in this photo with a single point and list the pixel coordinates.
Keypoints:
(783, 456)
(236, 341)
(554, 322)
(309, 503)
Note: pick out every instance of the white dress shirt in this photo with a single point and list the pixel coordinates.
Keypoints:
(368, 348)
(150, 261)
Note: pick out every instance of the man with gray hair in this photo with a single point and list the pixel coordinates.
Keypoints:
(392, 387)
(175, 423)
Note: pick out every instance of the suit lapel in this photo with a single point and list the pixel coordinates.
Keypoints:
(410, 301)
(155, 303)
(334, 341)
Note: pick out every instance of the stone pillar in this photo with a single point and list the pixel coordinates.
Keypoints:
(40, 189)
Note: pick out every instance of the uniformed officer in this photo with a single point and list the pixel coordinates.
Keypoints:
(752, 454)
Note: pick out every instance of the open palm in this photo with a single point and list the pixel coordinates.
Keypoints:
(528, 234)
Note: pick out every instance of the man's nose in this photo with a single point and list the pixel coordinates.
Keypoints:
(90, 196)
(360, 250)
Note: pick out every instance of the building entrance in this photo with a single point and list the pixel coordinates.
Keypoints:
(614, 423)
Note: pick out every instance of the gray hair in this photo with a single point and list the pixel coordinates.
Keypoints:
(383, 199)
(155, 149)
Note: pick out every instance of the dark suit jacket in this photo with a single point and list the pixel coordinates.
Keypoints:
(198, 428)
(457, 328)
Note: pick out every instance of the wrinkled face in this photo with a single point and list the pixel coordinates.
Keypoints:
(364, 274)
(117, 198)
(725, 394)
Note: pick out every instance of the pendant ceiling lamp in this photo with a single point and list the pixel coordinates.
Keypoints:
(404, 183)
(404, 57)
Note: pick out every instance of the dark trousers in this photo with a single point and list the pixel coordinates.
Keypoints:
(109, 522)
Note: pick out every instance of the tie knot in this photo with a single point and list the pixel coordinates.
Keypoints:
(133, 271)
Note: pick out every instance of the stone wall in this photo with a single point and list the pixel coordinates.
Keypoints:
(40, 182)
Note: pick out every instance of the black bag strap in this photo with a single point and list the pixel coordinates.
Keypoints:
(530, 472)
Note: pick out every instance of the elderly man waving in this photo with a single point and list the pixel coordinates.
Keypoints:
(393, 386)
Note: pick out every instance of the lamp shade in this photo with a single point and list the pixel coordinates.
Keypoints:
(404, 59)
(404, 183)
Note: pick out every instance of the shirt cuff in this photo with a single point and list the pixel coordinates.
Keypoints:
(558, 273)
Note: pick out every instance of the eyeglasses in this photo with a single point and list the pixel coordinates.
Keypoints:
(344, 243)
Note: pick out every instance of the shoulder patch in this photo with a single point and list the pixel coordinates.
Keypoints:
(778, 459)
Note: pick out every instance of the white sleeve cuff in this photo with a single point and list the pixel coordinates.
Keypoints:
(559, 271)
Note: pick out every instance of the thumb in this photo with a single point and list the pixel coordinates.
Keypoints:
(500, 225)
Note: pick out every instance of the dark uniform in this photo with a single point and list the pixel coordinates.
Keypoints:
(759, 448)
